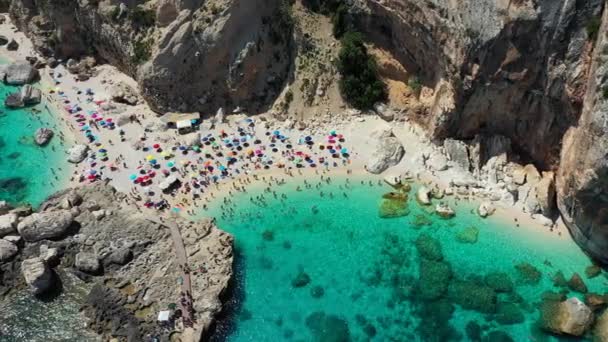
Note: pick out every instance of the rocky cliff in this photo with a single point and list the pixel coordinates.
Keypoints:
(582, 182)
(515, 68)
(186, 55)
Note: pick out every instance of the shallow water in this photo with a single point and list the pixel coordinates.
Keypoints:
(26, 170)
(26, 318)
(303, 272)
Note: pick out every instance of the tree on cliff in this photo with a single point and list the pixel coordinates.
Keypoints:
(359, 85)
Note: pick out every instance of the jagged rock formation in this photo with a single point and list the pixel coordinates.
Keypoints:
(516, 68)
(186, 55)
(582, 180)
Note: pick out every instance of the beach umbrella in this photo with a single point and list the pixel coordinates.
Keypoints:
(156, 145)
(149, 157)
(133, 177)
(171, 164)
(308, 138)
(344, 150)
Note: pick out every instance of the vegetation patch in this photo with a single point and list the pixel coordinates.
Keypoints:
(360, 85)
(593, 27)
(142, 50)
(143, 17)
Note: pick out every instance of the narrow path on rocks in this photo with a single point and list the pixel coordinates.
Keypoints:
(185, 301)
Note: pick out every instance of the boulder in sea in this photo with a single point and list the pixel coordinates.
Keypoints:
(444, 211)
(571, 317)
(428, 247)
(600, 330)
(596, 302)
(559, 280)
(577, 284)
(87, 262)
(423, 195)
(528, 273)
(434, 279)
(14, 100)
(392, 208)
(497, 336)
(30, 95)
(43, 135)
(473, 296)
(593, 271)
(38, 275)
(8, 223)
(45, 225)
(20, 73)
(327, 328)
(486, 209)
(499, 281)
(302, 279)
(468, 235)
(77, 153)
(388, 151)
(7, 250)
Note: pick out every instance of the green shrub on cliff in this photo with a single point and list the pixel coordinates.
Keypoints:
(142, 51)
(143, 17)
(359, 85)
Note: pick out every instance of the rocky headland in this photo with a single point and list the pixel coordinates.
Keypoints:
(127, 256)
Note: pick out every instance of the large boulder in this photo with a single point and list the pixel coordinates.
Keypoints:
(14, 100)
(570, 317)
(20, 73)
(545, 194)
(600, 331)
(388, 151)
(12, 45)
(38, 275)
(7, 250)
(43, 135)
(423, 195)
(87, 262)
(124, 93)
(45, 225)
(77, 153)
(8, 224)
(458, 153)
(30, 95)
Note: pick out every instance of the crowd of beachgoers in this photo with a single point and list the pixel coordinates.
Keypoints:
(169, 173)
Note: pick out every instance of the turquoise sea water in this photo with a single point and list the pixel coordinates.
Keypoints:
(29, 173)
(313, 268)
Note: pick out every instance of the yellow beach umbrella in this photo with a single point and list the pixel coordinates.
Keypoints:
(149, 157)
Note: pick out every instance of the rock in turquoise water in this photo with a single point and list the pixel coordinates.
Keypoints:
(559, 280)
(317, 291)
(392, 208)
(577, 284)
(328, 328)
(497, 336)
(302, 279)
(429, 247)
(528, 273)
(473, 296)
(593, 271)
(509, 313)
(468, 235)
(434, 279)
(499, 281)
(473, 330)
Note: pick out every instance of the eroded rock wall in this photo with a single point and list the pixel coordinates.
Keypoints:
(516, 68)
(186, 55)
(582, 181)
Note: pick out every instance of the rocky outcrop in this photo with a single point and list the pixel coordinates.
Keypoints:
(77, 153)
(582, 180)
(571, 317)
(123, 93)
(186, 55)
(43, 135)
(8, 224)
(7, 250)
(45, 225)
(87, 262)
(38, 275)
(388, 151)
(19, 73)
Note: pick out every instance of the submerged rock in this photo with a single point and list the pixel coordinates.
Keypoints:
(593, 271)
(444, 211)
(571, 317)
(45, 225)
(559, 280)
(43, 136)
(508, 314)
(38, 275)
(577, 284)
(529, 274)
(301, 280)
(497, 336)
(429, 248)
(434, 279)
(392, 208)
(468, 235)
(317, 291)
(327, 328)
(473, 296)
(499, 281)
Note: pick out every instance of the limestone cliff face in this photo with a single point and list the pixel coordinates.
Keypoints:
(582, 181)
(511, 67)
(187, 55)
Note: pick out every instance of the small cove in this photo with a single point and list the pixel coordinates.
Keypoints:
(312, 268)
